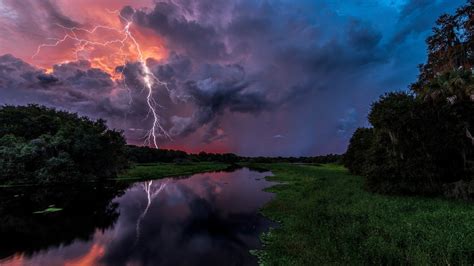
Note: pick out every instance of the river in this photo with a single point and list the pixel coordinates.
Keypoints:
(203, 219)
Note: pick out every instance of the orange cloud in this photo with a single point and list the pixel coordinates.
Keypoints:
(106, 48)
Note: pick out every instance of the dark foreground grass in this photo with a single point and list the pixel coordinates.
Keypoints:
(327, 218)
(160, 170)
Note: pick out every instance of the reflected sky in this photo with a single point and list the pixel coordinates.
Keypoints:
(205, 219)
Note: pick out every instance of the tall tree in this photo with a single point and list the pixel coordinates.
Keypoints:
(450, 47)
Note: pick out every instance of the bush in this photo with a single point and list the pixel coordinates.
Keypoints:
(43, 145)
(357, 153)
(415, 146)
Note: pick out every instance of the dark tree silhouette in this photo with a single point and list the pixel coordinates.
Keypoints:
(43, 145)
(422, 141)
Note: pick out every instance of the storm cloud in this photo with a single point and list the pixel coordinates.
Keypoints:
(241, 72)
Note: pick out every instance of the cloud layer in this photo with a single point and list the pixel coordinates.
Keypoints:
(239, 73)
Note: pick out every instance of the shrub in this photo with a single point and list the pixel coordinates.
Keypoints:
(357, 153)
(416, 146)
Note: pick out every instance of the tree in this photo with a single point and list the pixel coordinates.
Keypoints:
(417, 145)
(422, 140)
(356, 156)
(40, 144)
(450, 47)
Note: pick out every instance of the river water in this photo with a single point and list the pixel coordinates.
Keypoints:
(203, 219)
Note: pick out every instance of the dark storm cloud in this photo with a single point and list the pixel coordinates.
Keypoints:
(14, 73)
(210, 90)
(279, 58)
(81, 76)
(291, 57)
(33, 18)
(243, 71)
(189, 36)
(418, 16)
(53, 13)
(363, 37)
(47, 79)
(74, 86)
(226, 88)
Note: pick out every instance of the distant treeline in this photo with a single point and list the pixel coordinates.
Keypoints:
(139, 154)
(330, 158)
(143, 154)
(421, 142)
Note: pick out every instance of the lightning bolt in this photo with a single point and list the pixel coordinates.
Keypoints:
(151, 193)
(148, 78)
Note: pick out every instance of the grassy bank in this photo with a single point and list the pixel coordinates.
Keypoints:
(149, 171)
(160, 170)
(327, 218)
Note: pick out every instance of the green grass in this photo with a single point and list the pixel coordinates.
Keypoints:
(160, 170)
(327, 217)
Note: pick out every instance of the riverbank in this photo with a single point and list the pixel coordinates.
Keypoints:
(147, 172)
(161, 170)
(327, 217)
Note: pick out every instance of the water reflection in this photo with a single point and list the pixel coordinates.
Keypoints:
(206, 219)
(151, 193)
(85, 210)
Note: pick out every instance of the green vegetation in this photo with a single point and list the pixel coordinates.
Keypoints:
(39, 145)
(48, 210)
(160, 170)
(329, 158)
(328, 218)
(356, 157)
(422, 142)
(139, 154)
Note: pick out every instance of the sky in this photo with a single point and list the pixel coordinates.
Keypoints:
(252, 77)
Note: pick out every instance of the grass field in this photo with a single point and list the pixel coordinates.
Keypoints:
(327, 218)
(160, 170)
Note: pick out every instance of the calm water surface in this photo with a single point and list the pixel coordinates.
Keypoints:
(204, 219)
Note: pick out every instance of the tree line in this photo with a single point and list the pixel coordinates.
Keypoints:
(44, 145)
(143, 154)
(421, 141)
(41, 145)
